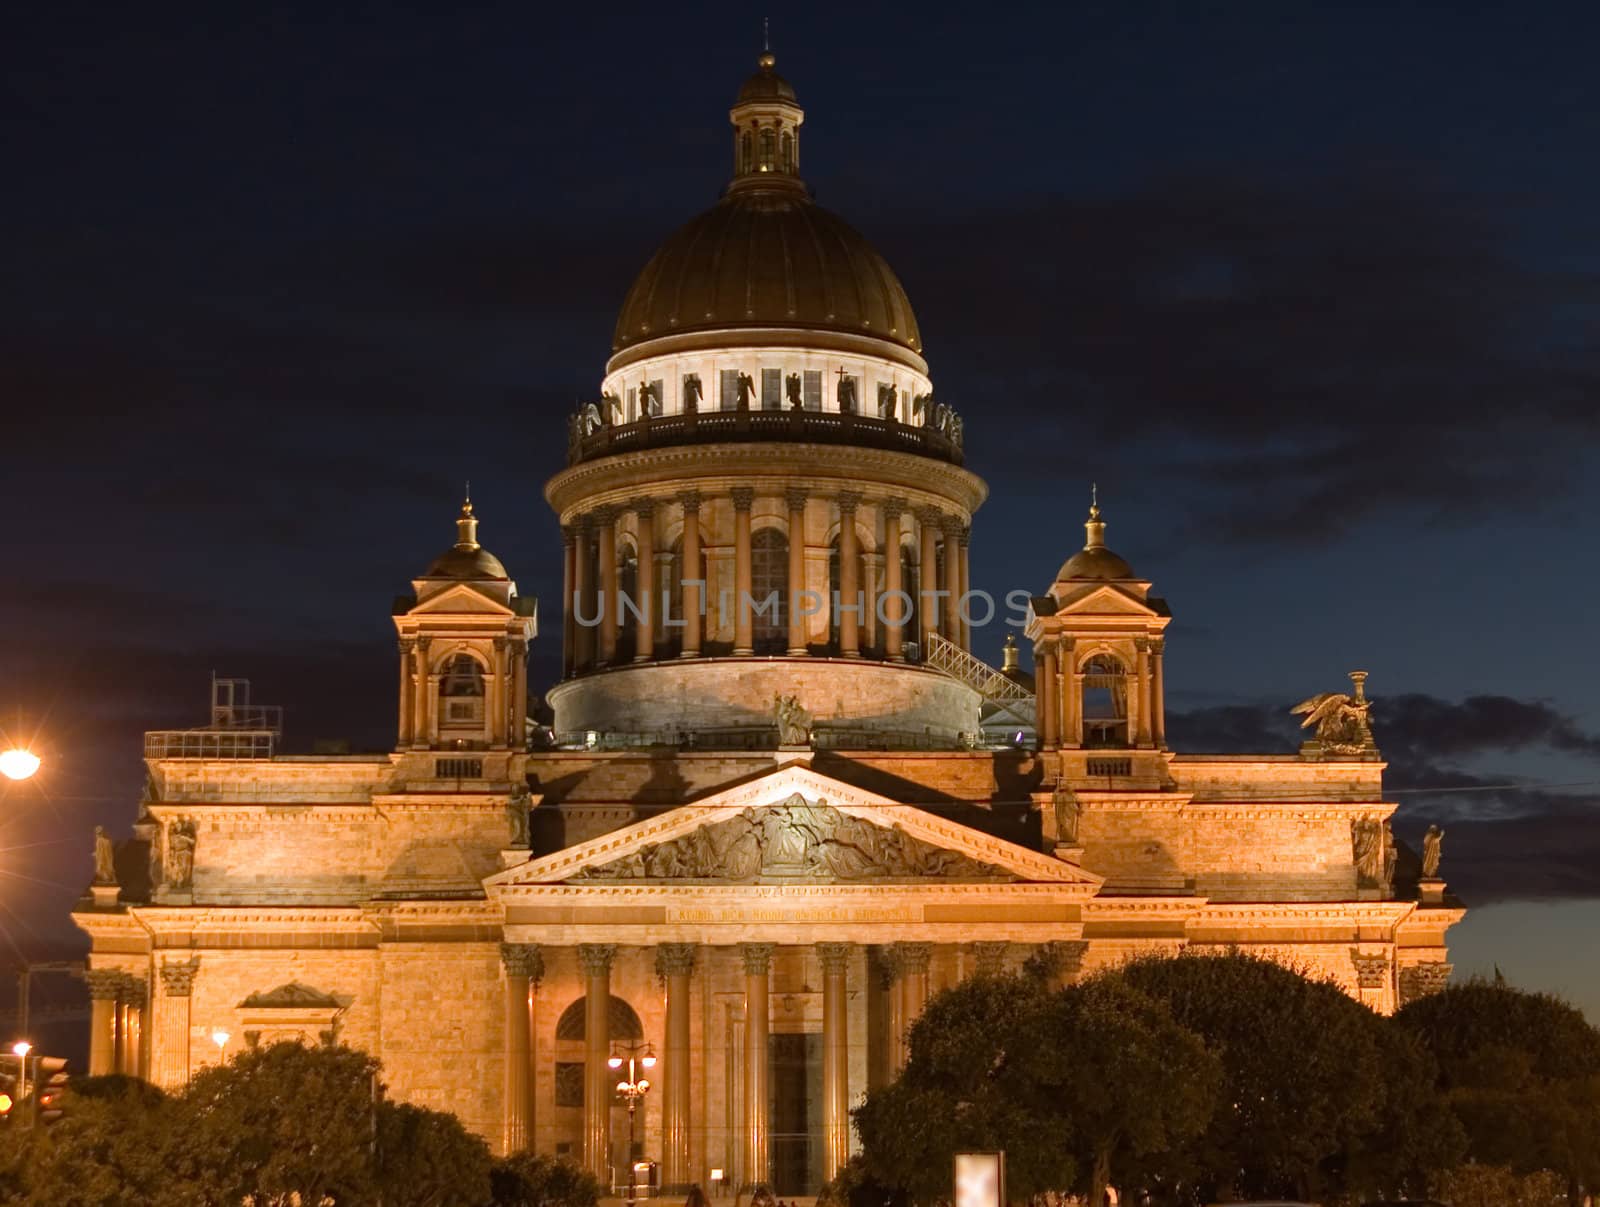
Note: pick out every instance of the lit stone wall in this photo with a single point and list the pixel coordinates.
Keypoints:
(736, 693)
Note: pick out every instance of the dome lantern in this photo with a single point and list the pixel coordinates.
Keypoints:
(766, 131)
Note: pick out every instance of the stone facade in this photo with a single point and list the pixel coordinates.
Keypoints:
(495, 907)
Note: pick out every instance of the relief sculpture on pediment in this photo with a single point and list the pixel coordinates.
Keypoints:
(798, 839)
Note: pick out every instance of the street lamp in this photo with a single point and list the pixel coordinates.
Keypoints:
(220, 1038)
(632, 1090)
(18, 764)
(22, 1047)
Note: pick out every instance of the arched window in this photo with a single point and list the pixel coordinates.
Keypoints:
(745, 156)
(769, 589)
(769, 150)
(625, 1024)
(1105, 702)
(670, 637)
(461, 691)
(788, 152)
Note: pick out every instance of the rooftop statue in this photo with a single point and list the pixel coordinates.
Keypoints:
(1432, 842)
(794, 722)
(791, 389)
(105, 862)
(693, 391)
(1341, 721)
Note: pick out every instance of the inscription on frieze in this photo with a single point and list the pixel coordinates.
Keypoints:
(795, 840)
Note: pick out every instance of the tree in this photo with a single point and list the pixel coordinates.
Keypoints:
(1304, 1070)
(108, 1149)
(968, 1084)
(1522, 1073)
(527, 1179)
(281, 1121)
(1132, 1083)
(427, 1159)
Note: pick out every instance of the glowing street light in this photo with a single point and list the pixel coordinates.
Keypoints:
(220, 1038)
(22, 1047)
(632, 1090)
(18, 764)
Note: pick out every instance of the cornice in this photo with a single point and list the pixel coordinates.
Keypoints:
(736, 340)
(667, 470)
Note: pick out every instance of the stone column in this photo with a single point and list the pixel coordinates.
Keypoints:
(498, 697)
(408, 695)
(743, 638)
(594, 959)
(524, 965)
(951, 625)
(1071, 696)
(518, 686)
(694, 593)
(644, 645)
(104, 985)
(797, 571)
(928, 521)
(569, 584)
(675, 964)
(963, 585)
(136, 993)
(849, 577)
(606, 518)
(420, 723)
(123, 1060)
(757, 970)
(913, 959)
(1158, 694)
(1142, 663)
(894, 608)
(170, 1043)
(582, 599)
(835, 958)
(1045, 703)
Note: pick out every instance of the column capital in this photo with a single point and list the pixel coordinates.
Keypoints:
(569, 535)
(1158, 646)
(675, 959)
(835, 957)
(1422, 980)
(964, 536)
(795, 497)
(406, 645)
(133, 990)
(499, 643)
(602, 516)
(848, 501)
(104, 983)
(595, 958)
(990, 957)
(743, 497)
(689, 500)
(584, 524)
(523, 960)
(892, 509)
(644, 508)
(1141, 643)
(930, 516)
(1372, 972)
(912, 958)
(422, 645)
(757, 958)
(952, 526)
(177, 977)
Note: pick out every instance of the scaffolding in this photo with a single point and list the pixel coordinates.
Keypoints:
(238, 728)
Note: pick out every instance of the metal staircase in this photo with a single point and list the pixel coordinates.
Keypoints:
(945, 655)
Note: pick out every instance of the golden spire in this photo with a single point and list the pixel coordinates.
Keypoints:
(467, 525)
(1009, 662)
(1094, 527)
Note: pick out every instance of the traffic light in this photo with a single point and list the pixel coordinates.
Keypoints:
(51, 1074)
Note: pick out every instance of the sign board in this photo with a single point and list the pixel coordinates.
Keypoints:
(980, 1180)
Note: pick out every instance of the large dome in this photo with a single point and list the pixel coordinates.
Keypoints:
(767, 258)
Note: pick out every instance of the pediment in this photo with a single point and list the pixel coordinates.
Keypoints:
(291, 996)
(1103, 600)
(459, 598)
(793, 825)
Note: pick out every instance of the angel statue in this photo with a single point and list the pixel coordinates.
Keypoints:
(1341, 721)
(794, 722)
(1432, 841)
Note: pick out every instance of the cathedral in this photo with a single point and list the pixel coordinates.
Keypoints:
(781, 801)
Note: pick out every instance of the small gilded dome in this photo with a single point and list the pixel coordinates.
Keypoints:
(466, 559)
(1094, 560)
(766, 84)
(767, 259)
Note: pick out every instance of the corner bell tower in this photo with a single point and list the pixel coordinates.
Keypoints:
(464, 651)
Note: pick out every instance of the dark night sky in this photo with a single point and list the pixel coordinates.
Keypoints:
(1310, 290)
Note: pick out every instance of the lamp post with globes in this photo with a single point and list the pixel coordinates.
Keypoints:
(636, 1056)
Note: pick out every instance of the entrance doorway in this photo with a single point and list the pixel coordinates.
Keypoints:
(796, 1114)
